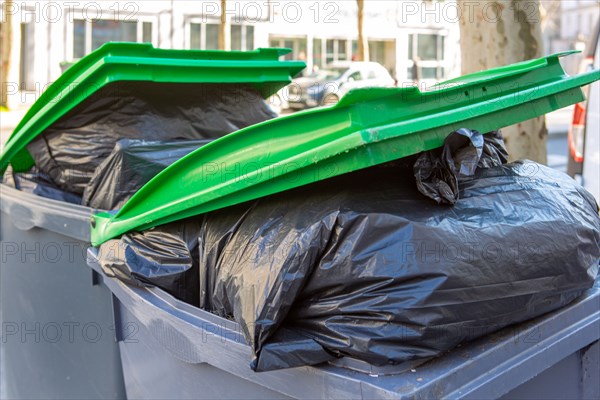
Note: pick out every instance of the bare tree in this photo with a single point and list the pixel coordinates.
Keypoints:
(496, 33)
(363, 44)
(224, 28)
(5, 50)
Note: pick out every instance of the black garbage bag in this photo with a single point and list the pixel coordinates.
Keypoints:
(70, 150)
(166, 258)
(130, 166)
(494, 151)
(438, 171)
(38, 183)
(361, 266)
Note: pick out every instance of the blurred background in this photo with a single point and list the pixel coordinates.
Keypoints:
(351, 43)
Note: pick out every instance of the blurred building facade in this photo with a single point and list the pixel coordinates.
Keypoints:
(569, 25)
(47, 36)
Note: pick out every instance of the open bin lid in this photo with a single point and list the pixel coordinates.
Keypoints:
(115, 61)
(367, 127)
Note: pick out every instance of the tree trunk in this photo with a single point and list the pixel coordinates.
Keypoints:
(224, 42)
(363, 44)
(5, 51)
(496, 33)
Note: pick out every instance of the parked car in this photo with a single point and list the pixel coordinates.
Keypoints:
(584, 133)
(328, 85)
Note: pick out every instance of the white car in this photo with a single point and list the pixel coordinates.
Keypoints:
(328, 85)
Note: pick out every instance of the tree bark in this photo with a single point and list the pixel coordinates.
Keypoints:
(5, 49)
(496, 33)
(224, 42)
(363, 44)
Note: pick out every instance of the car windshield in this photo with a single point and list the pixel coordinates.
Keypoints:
(328, 74)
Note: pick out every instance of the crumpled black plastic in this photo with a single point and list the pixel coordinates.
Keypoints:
(360, 266)
(438, 171)
(130, 166)
(37, 183)
(365, 268)
(166, 258)
(71, 148)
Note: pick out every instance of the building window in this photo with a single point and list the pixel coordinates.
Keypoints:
(342, 50)
(377, 51)
(249, 37)
(384, 53)
(212, 37)
(317, 54)
(195, 36)
(147, 32)
(236, 37)
(112, 31)
(335, 50)
(428, 73)
(428, 47)
(89, 35)
(206, 36)
(27, 57)
(298, 46)
(330, 52)
(427, 51)
(78, 38)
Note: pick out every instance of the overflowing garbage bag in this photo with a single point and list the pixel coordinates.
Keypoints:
(165, 257)
(367, 265)
(71, 149)
(438, 171)
(130, 165)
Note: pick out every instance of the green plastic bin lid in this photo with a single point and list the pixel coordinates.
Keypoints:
(122, 61)
(369, 126)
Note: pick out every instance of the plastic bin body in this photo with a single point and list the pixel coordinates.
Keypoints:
(58, 338)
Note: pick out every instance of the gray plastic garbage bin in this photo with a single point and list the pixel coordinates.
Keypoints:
(57, 336)
(170, 349)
